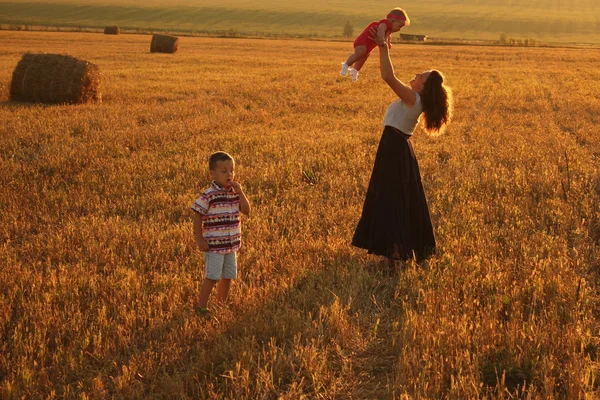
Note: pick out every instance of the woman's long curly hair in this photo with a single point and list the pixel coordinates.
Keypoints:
(437, 102)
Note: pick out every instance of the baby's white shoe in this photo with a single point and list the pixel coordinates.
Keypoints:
(354, 75)
(344, 70)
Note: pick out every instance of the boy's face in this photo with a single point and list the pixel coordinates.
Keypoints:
(397, 24)
(223, 173)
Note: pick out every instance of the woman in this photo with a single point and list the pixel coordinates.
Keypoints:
(395, 220)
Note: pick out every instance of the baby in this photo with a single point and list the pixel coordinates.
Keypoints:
(363, 45)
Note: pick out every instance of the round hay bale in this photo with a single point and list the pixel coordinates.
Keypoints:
(164, 44)
(112, 30)
(54, 79)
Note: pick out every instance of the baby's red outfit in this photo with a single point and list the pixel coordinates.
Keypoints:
(364, 39)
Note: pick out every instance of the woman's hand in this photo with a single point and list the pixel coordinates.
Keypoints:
(374, 37)
(386, 68)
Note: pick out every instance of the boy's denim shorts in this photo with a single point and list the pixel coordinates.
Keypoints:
(220, 265)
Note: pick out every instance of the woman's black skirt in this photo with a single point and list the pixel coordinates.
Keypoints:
(395, 220)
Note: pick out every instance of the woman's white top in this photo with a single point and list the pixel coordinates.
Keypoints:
(403, 118)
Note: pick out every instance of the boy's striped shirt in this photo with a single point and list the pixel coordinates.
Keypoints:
(220, 210)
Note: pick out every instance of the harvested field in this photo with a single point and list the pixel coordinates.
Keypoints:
(98, 277)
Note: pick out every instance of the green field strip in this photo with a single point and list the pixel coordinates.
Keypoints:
(551, 21)
(168, 17)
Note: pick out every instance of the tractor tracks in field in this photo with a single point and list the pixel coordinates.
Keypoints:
(564, 119)
(374, 367)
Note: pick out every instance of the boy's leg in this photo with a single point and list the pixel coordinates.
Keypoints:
(205, 290)
(214, 270)
(359, 52)
(223, 289)
(229, 273)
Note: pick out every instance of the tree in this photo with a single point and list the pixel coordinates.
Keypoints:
(348, 29)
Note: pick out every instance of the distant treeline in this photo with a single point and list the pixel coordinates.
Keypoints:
(234, 33)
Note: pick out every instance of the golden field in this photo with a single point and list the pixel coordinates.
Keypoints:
(98, 277)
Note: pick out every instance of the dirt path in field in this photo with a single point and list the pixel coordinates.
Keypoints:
(374, 369)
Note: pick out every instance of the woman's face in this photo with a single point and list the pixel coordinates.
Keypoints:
(419, 80)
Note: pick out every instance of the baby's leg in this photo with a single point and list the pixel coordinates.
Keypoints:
(359, 52)
(358, 64)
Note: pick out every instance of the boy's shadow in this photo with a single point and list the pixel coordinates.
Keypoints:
(337, 305)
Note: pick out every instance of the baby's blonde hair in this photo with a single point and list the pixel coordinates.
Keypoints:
(399, 13)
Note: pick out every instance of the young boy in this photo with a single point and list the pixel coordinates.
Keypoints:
(363, 45)
(217, 228)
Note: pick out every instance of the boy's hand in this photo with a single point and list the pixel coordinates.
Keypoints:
(202, 244)
(244, 203)
(236, 187)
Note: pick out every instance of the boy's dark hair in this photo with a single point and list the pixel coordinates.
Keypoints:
(216, 157)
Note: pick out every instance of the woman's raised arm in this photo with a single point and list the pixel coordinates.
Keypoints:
(403, 90)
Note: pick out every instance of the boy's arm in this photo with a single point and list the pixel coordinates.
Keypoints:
(244, 203)
(199, 232)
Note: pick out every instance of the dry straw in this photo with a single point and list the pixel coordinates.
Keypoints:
(55, 78)
(112, 30)
(164, 44)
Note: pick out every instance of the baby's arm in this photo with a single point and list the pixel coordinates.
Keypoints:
(381, 32)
